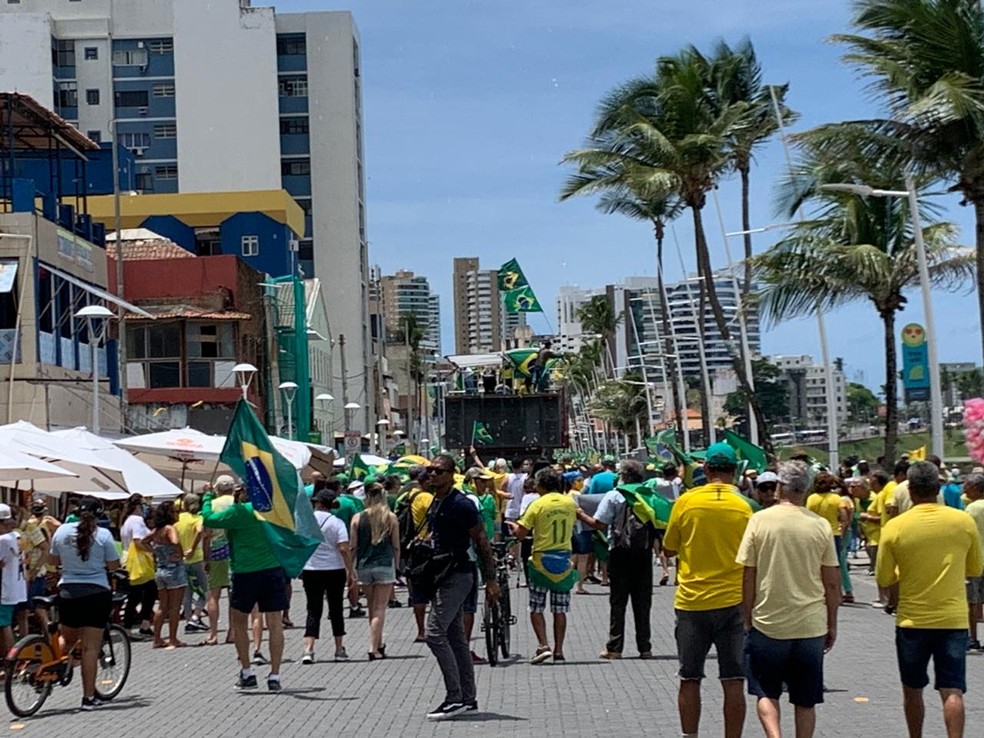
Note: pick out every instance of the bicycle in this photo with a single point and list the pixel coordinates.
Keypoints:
(497, 616)
(37, 662)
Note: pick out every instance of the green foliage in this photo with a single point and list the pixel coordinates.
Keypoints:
(862, 405)
(770, 391)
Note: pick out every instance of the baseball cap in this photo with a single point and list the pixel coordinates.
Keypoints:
(477, 472)
(39, 504)
(5, 512)
(766, 477)
(720, 454)
(224, 483)
(355, 484)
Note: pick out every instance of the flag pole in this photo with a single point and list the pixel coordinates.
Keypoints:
(472, 445)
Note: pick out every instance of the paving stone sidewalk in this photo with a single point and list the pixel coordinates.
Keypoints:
(189, 692)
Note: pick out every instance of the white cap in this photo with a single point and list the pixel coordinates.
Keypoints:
(5, 512)
(355, 484)
(767, 476)
(224, 483)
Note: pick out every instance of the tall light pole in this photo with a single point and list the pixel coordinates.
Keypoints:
(935, 390)
(244, 373)
(290, 390)
(94, 315)
(381, 425)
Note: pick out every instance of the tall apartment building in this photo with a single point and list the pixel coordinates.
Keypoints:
(807, 385)
(481, 325)
(219, 96)
(406, 293)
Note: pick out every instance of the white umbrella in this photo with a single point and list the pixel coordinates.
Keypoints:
(16, 466)
(189, 444)
(137, 476)
(90, 470)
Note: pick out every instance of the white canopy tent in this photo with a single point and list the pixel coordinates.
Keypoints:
(16, 466)
(474, 361)
(188, 444)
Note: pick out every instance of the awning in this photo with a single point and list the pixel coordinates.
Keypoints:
(464, 361)
(97, 291)
(8, 274)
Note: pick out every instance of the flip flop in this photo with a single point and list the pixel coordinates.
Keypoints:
(582, 592)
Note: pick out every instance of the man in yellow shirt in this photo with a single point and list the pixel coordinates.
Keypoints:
(791, 591)
(930, 551)
(420, 501)
(974, 493)
(550, 517)
(872, 521)
(190, 531)
(705, 530)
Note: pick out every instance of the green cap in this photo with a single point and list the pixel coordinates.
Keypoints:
(720, 454)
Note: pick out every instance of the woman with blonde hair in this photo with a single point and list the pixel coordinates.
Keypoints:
(375, 538)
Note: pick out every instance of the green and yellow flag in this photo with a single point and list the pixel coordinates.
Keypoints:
(511, 276)
(521, 300)
(747, 451)
(647, 504)
(359, 469)
(275, 491)
(481, 435)
(520, 360)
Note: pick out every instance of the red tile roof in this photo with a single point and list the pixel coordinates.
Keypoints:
(148, 250)
(188, 312)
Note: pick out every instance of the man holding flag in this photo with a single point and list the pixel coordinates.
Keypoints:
(271, 535)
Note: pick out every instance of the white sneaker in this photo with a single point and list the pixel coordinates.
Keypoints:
(308, 657)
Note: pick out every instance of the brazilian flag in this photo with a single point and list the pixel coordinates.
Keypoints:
(521, 300)
(520, 360)
(359, 469)
(275, 491)
(747, 451)
(511, 276)
(481, 435)
(647, 504)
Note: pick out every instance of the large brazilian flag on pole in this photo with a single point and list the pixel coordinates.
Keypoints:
(275, 491)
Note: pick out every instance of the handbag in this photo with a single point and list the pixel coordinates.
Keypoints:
(139, 565)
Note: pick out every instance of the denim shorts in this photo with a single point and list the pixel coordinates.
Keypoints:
(470, 605)
(697, 630)
(948, 649)
(796, 662)
(171, 577)
(583, 542)
(376, 575)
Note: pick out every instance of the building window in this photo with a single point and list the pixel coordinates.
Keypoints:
(135, 140)
(145, 182)
(130, 58)
(296, 86)
(132, 99)
(166, 172)
(162, 46)
(294, 44)
(68, 95)
(166, 130)
(92, 97)
(164, 90)
(63, 53)
(94, 136)
(295, 167)
(291, 126)
(250, 245)
(91, 53)
(211, 341)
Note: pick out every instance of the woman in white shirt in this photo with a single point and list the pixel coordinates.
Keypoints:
(325, 576)
(134, 529)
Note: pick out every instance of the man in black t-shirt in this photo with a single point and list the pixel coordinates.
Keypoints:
(455, 524)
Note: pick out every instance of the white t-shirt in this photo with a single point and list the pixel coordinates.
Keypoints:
(527, 500)
(669, 488)
(514, 486)
(327, 555)
(13, 584)
(133, 527)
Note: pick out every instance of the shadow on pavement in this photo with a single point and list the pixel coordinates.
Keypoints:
(490, 717)
(120, 704)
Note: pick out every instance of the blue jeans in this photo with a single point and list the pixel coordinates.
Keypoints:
(843, 546)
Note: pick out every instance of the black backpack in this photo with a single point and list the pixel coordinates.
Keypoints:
(404, 522)
(631, 534)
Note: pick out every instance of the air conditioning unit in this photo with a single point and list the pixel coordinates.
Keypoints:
(293, 245)
(142, 111)
(138, 151)
(140, 44)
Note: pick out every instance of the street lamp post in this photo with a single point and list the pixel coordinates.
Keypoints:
(325, 398)
(244, 373)
(349, 407)
(935, 390)
(290, 390)
(381, 425)
(93, 314)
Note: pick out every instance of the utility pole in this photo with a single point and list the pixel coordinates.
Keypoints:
(411, 399)
(345, 397)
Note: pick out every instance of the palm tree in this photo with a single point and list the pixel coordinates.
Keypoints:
(925, 59)
(597, 316)
(736, 78)
(853, 247)
(410, 332)
(620, 403)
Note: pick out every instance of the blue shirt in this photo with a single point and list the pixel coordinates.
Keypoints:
(951, 496)
(74, 569)
(450, 521)
(601, 483)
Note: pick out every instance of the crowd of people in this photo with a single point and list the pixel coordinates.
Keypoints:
(759, 564)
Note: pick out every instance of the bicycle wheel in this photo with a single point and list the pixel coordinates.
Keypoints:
(114, 662)
(24, 691)
(491, 628)
(505, 620)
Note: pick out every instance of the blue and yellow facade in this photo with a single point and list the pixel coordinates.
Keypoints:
(262, 227)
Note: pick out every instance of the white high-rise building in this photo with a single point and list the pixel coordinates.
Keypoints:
(807, 385)
(220, 96)
(406, 293)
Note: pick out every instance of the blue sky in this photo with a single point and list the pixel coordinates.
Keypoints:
(469, 107)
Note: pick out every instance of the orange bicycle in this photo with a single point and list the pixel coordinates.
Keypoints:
(37, 662)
